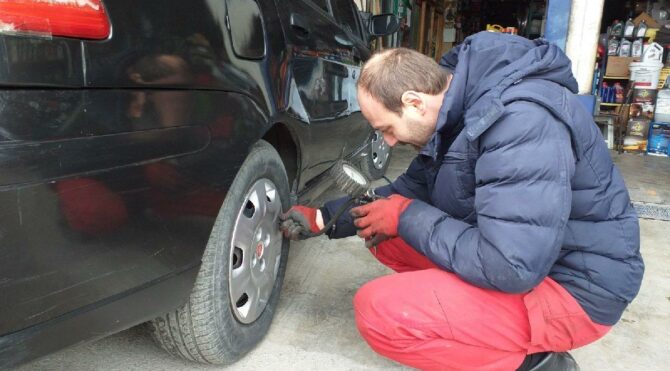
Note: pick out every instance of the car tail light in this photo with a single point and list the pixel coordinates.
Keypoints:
(82, 19)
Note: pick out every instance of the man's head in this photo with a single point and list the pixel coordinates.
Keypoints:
(400, 92)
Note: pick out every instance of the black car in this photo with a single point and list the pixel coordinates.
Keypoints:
(147, 149)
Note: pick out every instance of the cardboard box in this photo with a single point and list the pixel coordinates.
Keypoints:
(636, 136)
(643, 105)
(642, 110)
(644, 95)
(651, 22)
(618, 66)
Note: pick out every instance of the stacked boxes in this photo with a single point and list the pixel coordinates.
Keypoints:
(641, 113)
(659, 131)
(636, 135)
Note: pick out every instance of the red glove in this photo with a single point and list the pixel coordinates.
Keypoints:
(298, 222)
(379, 219)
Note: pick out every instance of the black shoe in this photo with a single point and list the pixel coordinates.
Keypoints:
(549, 362)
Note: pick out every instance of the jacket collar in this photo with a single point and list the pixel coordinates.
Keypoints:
(475, 100)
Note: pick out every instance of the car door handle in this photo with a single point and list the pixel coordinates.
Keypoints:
(343, 40)
(299, 24)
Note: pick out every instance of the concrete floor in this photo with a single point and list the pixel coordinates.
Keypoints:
(647, 177)
(313, 328)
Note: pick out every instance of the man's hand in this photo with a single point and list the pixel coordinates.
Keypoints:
(299, 221)
(378, 220)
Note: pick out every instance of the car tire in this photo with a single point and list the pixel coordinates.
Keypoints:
(378, 158)
(211, 327)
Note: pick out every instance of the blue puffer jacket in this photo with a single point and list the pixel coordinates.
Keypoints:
(517, 183)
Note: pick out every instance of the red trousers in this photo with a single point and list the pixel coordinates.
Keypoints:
(430, 319)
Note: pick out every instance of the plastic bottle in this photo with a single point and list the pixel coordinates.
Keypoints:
(604, 92)
(636, 50)
(652, 52)
(641, 29)
(629, 29)
(617, 29)
(596, 80)
(618, 92)
(613, 46)
(624, 48)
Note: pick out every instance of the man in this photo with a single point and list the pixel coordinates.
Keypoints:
(512, 232)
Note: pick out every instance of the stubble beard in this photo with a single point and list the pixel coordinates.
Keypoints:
(420, 134)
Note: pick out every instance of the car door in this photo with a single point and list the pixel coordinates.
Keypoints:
(346, 15)
(324, 67)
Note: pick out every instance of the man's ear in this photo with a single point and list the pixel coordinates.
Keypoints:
(412, 99)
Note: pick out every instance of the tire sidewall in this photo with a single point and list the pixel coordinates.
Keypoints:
(238, 338)
(369, 168)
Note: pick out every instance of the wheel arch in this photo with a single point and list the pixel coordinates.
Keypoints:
(280, 137)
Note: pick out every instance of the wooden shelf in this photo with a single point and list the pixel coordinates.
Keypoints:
(610, 104)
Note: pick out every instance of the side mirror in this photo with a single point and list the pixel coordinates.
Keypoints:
(383, 24)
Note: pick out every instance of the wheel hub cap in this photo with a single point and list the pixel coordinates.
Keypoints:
(379, 150)
(255, 251)
(259, 250)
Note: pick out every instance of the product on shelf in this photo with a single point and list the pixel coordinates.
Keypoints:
(613, 46)
(641, 29)
(625, 48)
(636, 135)
(645, 75)
(662, 113)
(642, 110)
(644, 95)
(617, 29)
(618, 92)
(629, 28)
(659, 139)
(643, 103)
(652, 53)
(636, 51)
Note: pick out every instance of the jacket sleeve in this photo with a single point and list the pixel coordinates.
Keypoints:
(411, 184)
(522, 200)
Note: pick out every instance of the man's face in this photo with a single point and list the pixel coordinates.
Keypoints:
(414, 127)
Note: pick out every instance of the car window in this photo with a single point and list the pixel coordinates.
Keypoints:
(343, 11)
(323, 4)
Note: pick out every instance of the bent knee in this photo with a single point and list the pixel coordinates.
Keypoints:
(371, 296)
(370, 322)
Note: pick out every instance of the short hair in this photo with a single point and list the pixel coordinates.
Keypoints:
(390, 73)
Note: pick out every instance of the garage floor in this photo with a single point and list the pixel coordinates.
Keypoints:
(313, 328)
(647, 177)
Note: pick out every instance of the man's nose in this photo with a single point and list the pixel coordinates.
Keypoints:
(390, 140)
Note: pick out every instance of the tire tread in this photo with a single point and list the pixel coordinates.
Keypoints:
(198, 331)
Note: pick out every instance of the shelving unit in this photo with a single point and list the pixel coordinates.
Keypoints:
(536, 12)
(608, 108)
